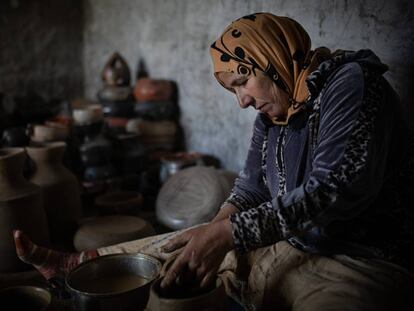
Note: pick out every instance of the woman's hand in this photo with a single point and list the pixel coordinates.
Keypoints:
(204, 250)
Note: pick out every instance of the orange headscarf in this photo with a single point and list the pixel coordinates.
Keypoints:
(276, 45)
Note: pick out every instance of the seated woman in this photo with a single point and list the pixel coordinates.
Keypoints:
(320, 217)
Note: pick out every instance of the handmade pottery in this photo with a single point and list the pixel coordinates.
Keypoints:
(60, 189)
(116, 71)
(109, 230)
(119, 202)
(21, 207)
(188, 299)
(118, 109)
(115, 94)
(87, 114)
(28, 298)
(48, 133)
(129, 154)
(147, 89)
(156, 110)
(190, 197)
(173, 162)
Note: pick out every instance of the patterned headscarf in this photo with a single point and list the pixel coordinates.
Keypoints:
(275, 45)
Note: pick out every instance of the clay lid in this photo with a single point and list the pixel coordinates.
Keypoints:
(109, 230)
(191, 196)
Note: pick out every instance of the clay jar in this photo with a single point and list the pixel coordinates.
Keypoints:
(147, 89)
(60, 190)
(116, 71)
(21, 207)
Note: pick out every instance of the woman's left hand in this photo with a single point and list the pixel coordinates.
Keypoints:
(204, 249)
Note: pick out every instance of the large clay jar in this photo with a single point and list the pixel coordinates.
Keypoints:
(60, 188)
(147, 89)
(21, 207)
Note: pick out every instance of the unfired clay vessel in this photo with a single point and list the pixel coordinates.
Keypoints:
(60, 188)
(21, 207)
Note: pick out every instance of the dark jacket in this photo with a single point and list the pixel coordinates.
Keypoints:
(338, 178)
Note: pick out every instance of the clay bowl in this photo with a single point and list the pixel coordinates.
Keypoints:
(147, 89)
(158, 110)
(119, 202)
(113, 282)
(46, 133)
(115, 94)
(28, 298)
(87, 114)
(187, 298)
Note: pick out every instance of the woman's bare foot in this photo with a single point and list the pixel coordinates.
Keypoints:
(48, 262)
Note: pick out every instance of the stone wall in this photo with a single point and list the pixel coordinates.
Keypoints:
(41, 47)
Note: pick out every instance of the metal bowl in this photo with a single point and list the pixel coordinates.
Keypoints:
(113, 282)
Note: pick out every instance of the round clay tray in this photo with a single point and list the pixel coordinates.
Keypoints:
(109, 230)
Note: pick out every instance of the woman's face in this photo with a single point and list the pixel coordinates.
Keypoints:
(257, 91)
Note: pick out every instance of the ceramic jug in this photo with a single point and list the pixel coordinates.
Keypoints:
(21, 207)
(60, 188)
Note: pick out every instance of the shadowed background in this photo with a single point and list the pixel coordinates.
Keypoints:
(58, 48)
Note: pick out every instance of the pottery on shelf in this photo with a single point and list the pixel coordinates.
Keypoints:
(157, 110)
(118, 109)
(60, 189)
(129, 154)
(115, 94)
(148, 89)
(87, 114)
(116, 71)
(191, 196)
(175, 161)
(48, 133)
(95, 151)
(119, 202)
(21, 207)
(153, 132)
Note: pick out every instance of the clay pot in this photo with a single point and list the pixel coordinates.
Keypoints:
(147, 89)
(87, 114)
(109, 230)
(25, 298)
(118, 109)
(116, 71)
(119, 202)
(153, 133)
(96, 151)
(186, 299)
(129, 153)
(48, 133)
(21, 207)
(191, 196)
(116, 94)
(174, 162)
(60, 189)
(159, 110)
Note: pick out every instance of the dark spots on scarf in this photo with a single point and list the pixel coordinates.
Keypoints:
(239, 52)
(251, 17)
(243, 70)
(236, 34)
(225, 58)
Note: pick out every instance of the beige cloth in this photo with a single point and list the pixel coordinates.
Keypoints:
(280, 277)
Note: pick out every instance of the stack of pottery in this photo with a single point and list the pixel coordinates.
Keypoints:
(95, 150)
(60, 190)
(156, 105)
(116, 97)
(21, 207)
(129, 156)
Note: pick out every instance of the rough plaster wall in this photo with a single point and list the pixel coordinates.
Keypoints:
(174, 36)
(41, 47)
